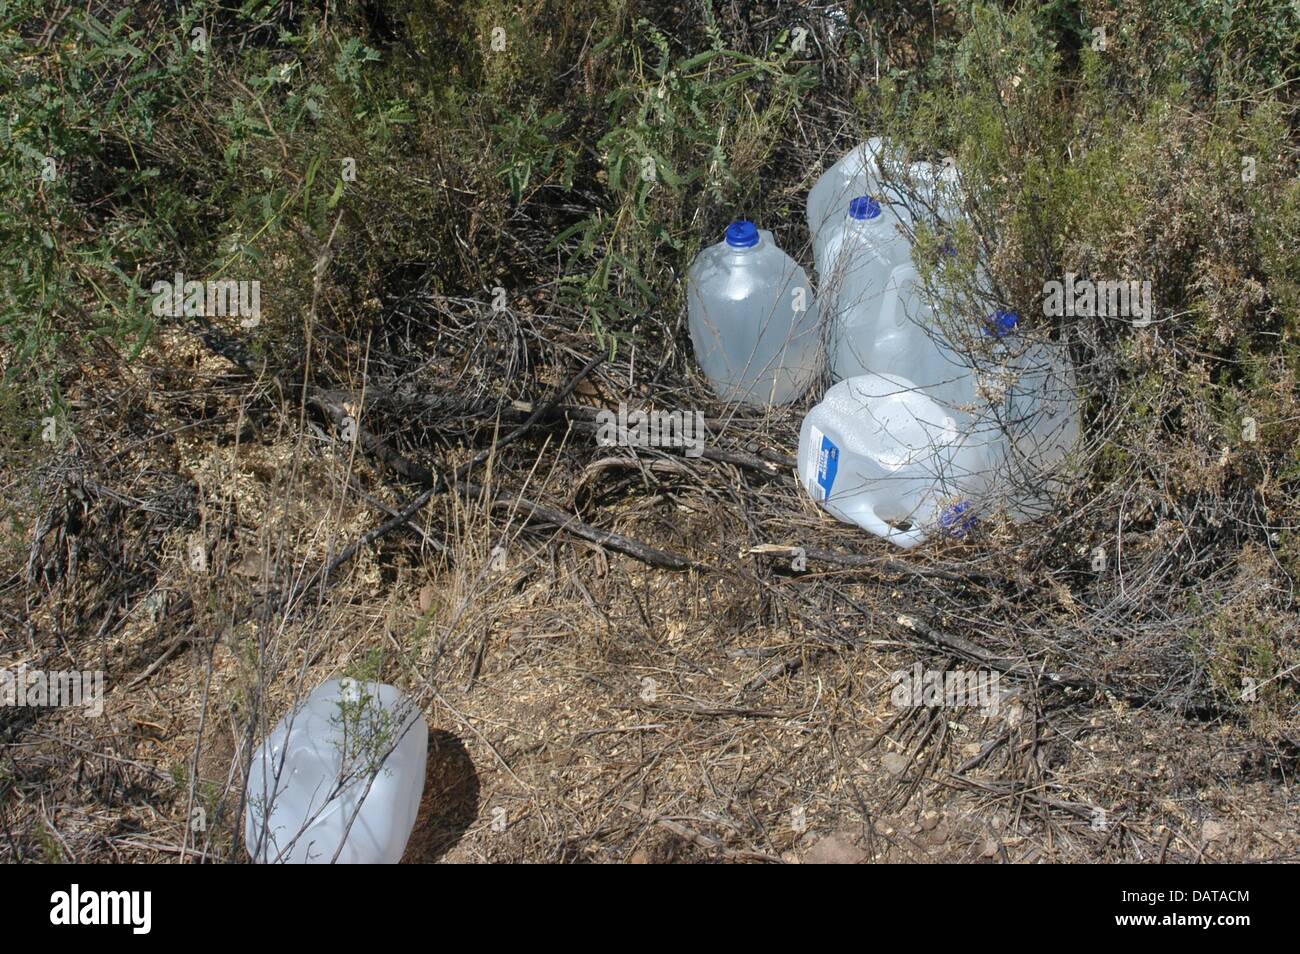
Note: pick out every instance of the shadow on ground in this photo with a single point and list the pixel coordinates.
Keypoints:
(450, 802)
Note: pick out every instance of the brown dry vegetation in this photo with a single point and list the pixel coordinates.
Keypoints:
(585, 703)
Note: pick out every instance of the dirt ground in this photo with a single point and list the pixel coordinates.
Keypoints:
(583, 705)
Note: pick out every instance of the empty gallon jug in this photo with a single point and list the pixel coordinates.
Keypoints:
(857, 172)
(903, 335)
(1027, 390)
(1041, 409)
(752, 318)
(879, 453)
(863, 238)
(339, 779)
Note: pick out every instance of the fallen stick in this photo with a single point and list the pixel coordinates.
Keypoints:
(783, 667)
(698, 838)
(964, 649)
(571, 524)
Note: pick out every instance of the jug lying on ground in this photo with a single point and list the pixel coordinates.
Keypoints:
(752, 319)
(340, 779)
(1019, 395)
(879, 453)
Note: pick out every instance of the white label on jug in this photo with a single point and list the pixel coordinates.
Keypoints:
(810, 469)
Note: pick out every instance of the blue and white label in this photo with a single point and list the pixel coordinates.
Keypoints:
(827, 462)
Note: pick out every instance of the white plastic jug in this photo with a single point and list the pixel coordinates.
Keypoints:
(855, 269)
(880, 453)
(857, 172)
(342, 776)
(752, 318)
(1042, 425)
(930, 193)
(864, 237)
(902, 335)
(1026, 391)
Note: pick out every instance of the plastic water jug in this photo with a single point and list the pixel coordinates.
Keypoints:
(870, 168)
(752, 318)
(902, 335)
(878, 452)
(342, 776)
(855, 265)
(863, 237)
(855, 173)
(1027, 390)
(1041, 407)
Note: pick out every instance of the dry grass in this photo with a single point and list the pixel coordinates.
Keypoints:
(585, 706)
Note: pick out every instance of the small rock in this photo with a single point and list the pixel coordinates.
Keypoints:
(894, 763)
(937, 837)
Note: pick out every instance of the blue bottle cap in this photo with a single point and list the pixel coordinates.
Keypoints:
(863, 207)
(1001, 323)
(958, 519)
(742, 233)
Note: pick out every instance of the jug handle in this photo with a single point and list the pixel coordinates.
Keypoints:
(891, 300)
(873, 523)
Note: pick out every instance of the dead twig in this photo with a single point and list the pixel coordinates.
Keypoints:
(707, 842)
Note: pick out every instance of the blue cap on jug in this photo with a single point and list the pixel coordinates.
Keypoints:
(863, 207)
(742, 233)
